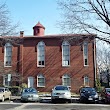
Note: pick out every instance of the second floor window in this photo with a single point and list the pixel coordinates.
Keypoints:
(85, 53)
(65, 54)
(41, 54)
(8, 54)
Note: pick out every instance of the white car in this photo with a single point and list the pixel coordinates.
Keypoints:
(4, 93)
(61, 92)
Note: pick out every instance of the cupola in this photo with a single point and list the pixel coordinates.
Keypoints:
(38, 29)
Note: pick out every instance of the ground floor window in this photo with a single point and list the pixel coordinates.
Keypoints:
(86, 80)
(40, 80)
(66, 80)
(7, 80)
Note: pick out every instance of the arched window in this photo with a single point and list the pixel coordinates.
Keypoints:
(65, 54)
(85, 53)
(86, 80)
(7, 54)
(66, 80)
(40, 80)
(41, 54)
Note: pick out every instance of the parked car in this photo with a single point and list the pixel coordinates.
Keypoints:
(4, 94)
(29, 94)
(60, 92)
(88, 94)
(105, 95)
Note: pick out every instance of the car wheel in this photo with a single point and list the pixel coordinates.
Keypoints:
(106, 101)
(9, 98)
(3, 99)
(53, 101)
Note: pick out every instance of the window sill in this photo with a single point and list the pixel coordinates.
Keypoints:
(86, 65)
(41, 86)
(40, 66)
(65, 66)
(7, 66)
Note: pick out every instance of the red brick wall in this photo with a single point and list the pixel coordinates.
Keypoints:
(24, 59)
(53, 70)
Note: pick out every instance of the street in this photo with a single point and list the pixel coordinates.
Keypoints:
(49, 106)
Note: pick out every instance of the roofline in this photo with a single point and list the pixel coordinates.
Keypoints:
(52, 36)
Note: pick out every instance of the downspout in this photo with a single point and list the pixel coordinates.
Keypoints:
(94, 60)
(21, 35)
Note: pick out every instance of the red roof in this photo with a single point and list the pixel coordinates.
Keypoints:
(39, 25)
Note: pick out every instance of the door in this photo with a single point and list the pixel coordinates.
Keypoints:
(30, 82)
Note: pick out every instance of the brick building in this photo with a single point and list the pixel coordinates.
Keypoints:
(43, 61)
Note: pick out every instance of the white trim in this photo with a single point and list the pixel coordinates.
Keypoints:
(40, 76)
(86, 83)
(85, 42)
(65, 76)
(7, 44)
(30, 81)
(65, 43)
(38, 54)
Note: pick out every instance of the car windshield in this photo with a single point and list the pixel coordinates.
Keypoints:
(61, 88)
(30, 90)
(88, 89)
(1, 90)
(108, 90)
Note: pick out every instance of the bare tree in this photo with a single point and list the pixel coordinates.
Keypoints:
(6, 26)
(92, 16)
(7, 31)
(103, 58)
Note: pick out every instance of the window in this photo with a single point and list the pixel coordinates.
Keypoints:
(8, 54)
(41, 54)
(66, 80)
(5, 80)
(85, 53)
(65, 54)
(86, 80)
(40, 80)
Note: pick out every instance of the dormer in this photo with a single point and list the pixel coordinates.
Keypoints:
(38, 29)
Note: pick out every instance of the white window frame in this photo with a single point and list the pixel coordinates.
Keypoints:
(65, 63)
(85, 53)
(86, 80)
(40, 76)
(39, 55)
(5, 80)
(66, 83)
(5, 55)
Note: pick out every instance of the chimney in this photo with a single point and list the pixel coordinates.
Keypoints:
(21, 33)
(38, 29)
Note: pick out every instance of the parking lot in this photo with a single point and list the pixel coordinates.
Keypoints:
(47, 99)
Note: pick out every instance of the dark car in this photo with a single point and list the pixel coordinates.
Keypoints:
(105, 95)
(29, 94)
(88, 94)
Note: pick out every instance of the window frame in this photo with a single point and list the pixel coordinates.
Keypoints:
(85, 57)
(5, 52)
(40, 76)
(39, 56)
(66, 76)
(86, 80)
(65, 43)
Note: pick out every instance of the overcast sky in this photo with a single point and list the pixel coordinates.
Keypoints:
(29, 12)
